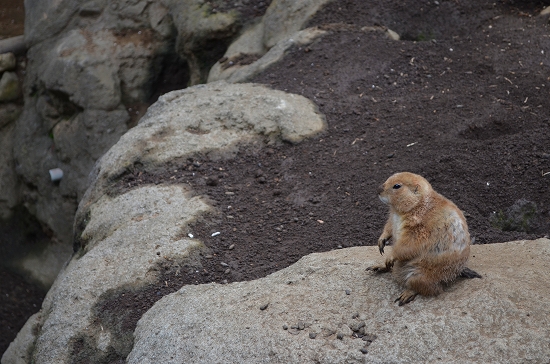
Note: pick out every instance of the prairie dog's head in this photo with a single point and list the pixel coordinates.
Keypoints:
(404, 191)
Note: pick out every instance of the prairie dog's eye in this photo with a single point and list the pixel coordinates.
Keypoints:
(396, 186)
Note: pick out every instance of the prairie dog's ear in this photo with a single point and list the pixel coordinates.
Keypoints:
(416, 189)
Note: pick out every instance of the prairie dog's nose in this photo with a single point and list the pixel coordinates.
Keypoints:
(380, 189)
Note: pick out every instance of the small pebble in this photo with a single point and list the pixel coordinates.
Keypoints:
(227, 271)
(301, 325)
(348, 292)
(190, 235)
(369, 337)
(285, 327)
(312, 335)
(224, 264)
(208, 256)
(232, 246)
(263, 307)
(340, 336)
(216, 233)
(339, 246)
(364, 351)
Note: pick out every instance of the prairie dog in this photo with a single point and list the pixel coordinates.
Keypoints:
(431, 242)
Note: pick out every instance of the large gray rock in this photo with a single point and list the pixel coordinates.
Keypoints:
(209, 120)
(123, 236)
(122, 240)
(49, 18)
(243, 73)
(198, 32)
(502, 318)
(77, 86)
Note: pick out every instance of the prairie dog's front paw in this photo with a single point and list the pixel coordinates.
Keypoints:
(382, 244)
(406, 297)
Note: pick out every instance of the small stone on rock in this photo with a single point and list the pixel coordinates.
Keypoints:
(263, 307)
(312, 335)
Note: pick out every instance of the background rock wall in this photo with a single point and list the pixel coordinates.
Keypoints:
(93, 69)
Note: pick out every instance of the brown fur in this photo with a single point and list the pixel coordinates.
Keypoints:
(431, 242)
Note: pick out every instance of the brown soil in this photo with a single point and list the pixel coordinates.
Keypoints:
(462, 100)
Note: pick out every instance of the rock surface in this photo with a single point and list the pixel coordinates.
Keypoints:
(326, 299)
(211, 120)
(93, 67)
(122, 239)
(198, 32)
(123, 236)
(7, 62)
(279, 27)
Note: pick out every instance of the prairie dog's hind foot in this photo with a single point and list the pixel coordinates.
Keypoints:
(379, 269)
(468, 273)
(406, 296)
(383, 268)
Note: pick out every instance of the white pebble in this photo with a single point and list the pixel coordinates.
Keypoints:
(190, 235)
(216, 233)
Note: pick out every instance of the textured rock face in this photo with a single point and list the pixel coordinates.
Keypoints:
(72, 125)
(326, 299)
(277, 31)
(91, 64)
(122, 240)
(200, 33)
(82, 71)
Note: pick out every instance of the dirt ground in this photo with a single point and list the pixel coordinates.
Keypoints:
(12, 18)
(462, 99)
